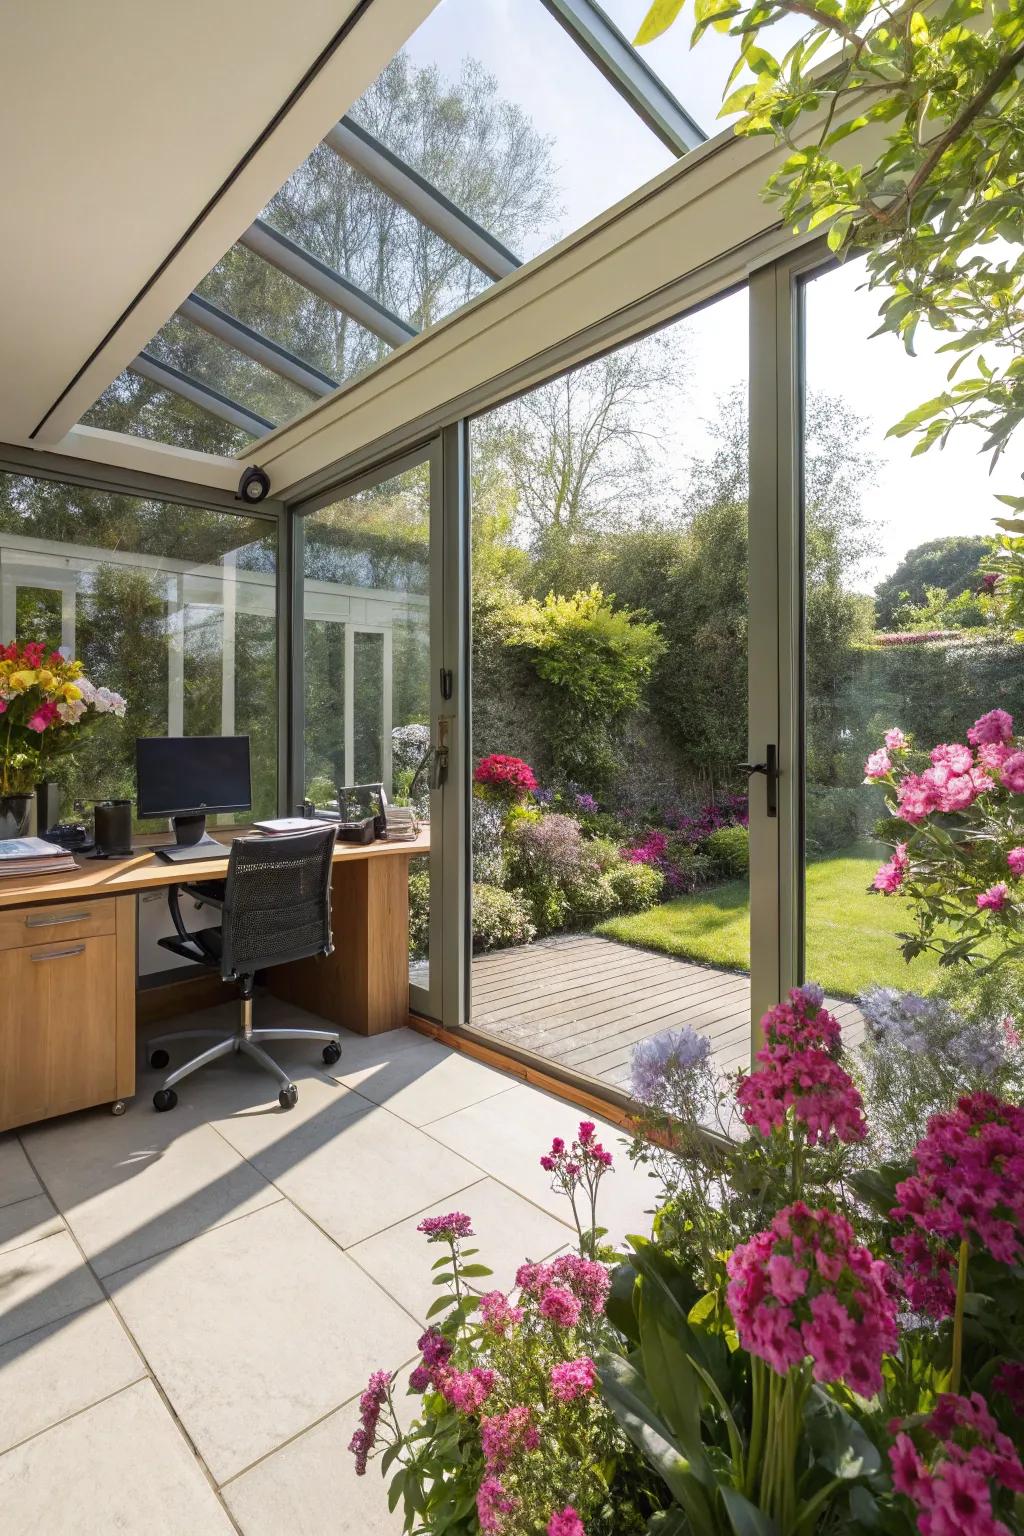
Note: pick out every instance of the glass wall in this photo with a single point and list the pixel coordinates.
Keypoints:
(366, 656)
(609, 593)
(174, 607)
(898, 628)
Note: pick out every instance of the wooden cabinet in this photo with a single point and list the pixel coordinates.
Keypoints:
(67, 981)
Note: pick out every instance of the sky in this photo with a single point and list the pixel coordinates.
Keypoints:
(603, 151)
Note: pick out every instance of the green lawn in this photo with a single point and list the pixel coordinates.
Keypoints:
(850, 934)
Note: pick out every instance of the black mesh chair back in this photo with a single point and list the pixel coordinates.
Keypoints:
(277, 901)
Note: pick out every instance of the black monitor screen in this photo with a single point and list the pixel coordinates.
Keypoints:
(181, 774)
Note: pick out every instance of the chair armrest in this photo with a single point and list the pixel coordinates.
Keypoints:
(207, 893)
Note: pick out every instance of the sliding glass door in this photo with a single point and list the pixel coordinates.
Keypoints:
(373, 675)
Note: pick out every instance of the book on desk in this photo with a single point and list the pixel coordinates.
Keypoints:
(33, 856)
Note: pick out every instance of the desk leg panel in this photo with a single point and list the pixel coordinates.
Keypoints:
(124, 987)
(364, 984)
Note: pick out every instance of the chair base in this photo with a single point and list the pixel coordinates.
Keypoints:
(225, 1043)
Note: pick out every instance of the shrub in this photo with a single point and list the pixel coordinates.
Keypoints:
(836, 817)
(488, 825)
(729, 852)
(500, 918)
(636, 887)
(419, 909)
(503, 777)
(547, 849)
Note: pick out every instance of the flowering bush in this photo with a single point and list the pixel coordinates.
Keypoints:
(44, 697)
(920, 1055)
(500, 918)
(960, 860)
(503, 777)
(964, 1472)
(514, 1437)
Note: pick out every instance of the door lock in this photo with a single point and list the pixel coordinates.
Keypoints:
(770, 769)
(439, 755)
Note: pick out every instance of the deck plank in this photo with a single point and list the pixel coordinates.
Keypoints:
(585, 1003)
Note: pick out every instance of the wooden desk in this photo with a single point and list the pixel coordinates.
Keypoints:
(68, 969)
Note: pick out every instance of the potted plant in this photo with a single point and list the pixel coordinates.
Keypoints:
(45, 700)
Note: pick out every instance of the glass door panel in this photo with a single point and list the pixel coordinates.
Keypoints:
(369, 631)
(897, 628)
(610, 888)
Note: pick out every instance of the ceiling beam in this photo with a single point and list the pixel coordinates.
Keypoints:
(257, 346)
(360, 149)
(632, 76)
(325, 282)
(207, 398)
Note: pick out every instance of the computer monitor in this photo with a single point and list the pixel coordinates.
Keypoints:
(188, 778)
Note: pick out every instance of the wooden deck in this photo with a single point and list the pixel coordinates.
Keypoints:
(584, 1002)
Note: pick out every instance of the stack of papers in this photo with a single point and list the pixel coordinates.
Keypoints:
(33, 856)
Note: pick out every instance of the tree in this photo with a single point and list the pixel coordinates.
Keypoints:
(937, 209)
(950, 563)
(463, 136)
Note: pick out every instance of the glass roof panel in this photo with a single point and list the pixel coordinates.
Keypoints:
(488, 138)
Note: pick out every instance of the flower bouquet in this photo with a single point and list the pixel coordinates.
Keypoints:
(45, 700)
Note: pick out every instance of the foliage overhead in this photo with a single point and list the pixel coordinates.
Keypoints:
(937, 207)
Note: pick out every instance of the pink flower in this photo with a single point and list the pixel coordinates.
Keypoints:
(821, 1094)
(505, 775)
(466, 1390)
(997, 725)
(995, 898)
(1013, 773)
(498, 1315)
(951, 1487)
(843, 1316)
(492, 1504)
(895, 739)
(504, 1436)
(878, 766)
(892, 874)
(956, 757)
(993, 754)
(44, 716)
(1015, 860)
(917, 796)
(573, 1378)
(560, 1307)
(566, 1523)
(446, 1229)
(370, 1404)
(969, 1183)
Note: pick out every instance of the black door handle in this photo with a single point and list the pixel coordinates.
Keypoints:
(770, 769)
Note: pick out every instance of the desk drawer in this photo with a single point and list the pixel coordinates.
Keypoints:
(21, 926)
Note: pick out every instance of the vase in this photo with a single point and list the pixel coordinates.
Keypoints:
(47, 806)
(14, 815)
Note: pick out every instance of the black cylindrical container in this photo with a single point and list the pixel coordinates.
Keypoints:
(47, 806)
(113, 827)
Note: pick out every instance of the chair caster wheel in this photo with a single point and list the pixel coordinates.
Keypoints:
(118, 1107)
(332, 1053)
(288, 1097)
(164, 1098)
(159, 1059)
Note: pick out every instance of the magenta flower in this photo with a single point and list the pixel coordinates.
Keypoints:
(892, 874)
(997, 725)
(504, 1436)
(446, 1229)
(560, 1307)
(895, 739)
(466, 1390)
(951, 1488)
(497, 1314)
(995, 898)
(505, 775)
(843, 1313)
(1013, 773)
(969, 1184)
(571, 1379)
(493, 1504)
(1015, 860)
(586, 1279)
(956, 757)
(566, 1523)
(370, 1404)
(878, 766)
(44, 717)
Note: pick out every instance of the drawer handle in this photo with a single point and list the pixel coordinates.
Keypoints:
(59, 954)
(62, 917)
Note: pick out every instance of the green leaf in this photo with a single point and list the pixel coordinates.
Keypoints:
(839, 1443)
(688, 1483)
(476, 1271)
(619, 1308)
(745, 1518)
(658, 20)
(670, 1376)
(442, 1304)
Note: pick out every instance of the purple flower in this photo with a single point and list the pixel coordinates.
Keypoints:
(370, 1404)
(587, 803)
(446, 1229)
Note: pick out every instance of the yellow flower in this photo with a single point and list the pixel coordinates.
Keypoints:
(70, 692)
(74, 668)
(44, 677)
(19, 681)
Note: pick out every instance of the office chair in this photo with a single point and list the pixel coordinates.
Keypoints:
(275, 906)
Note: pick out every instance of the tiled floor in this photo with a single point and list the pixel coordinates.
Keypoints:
(190, 1303)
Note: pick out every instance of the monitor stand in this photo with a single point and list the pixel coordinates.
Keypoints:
(191, 842)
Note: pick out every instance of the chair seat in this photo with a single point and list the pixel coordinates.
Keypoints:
(206, 940)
